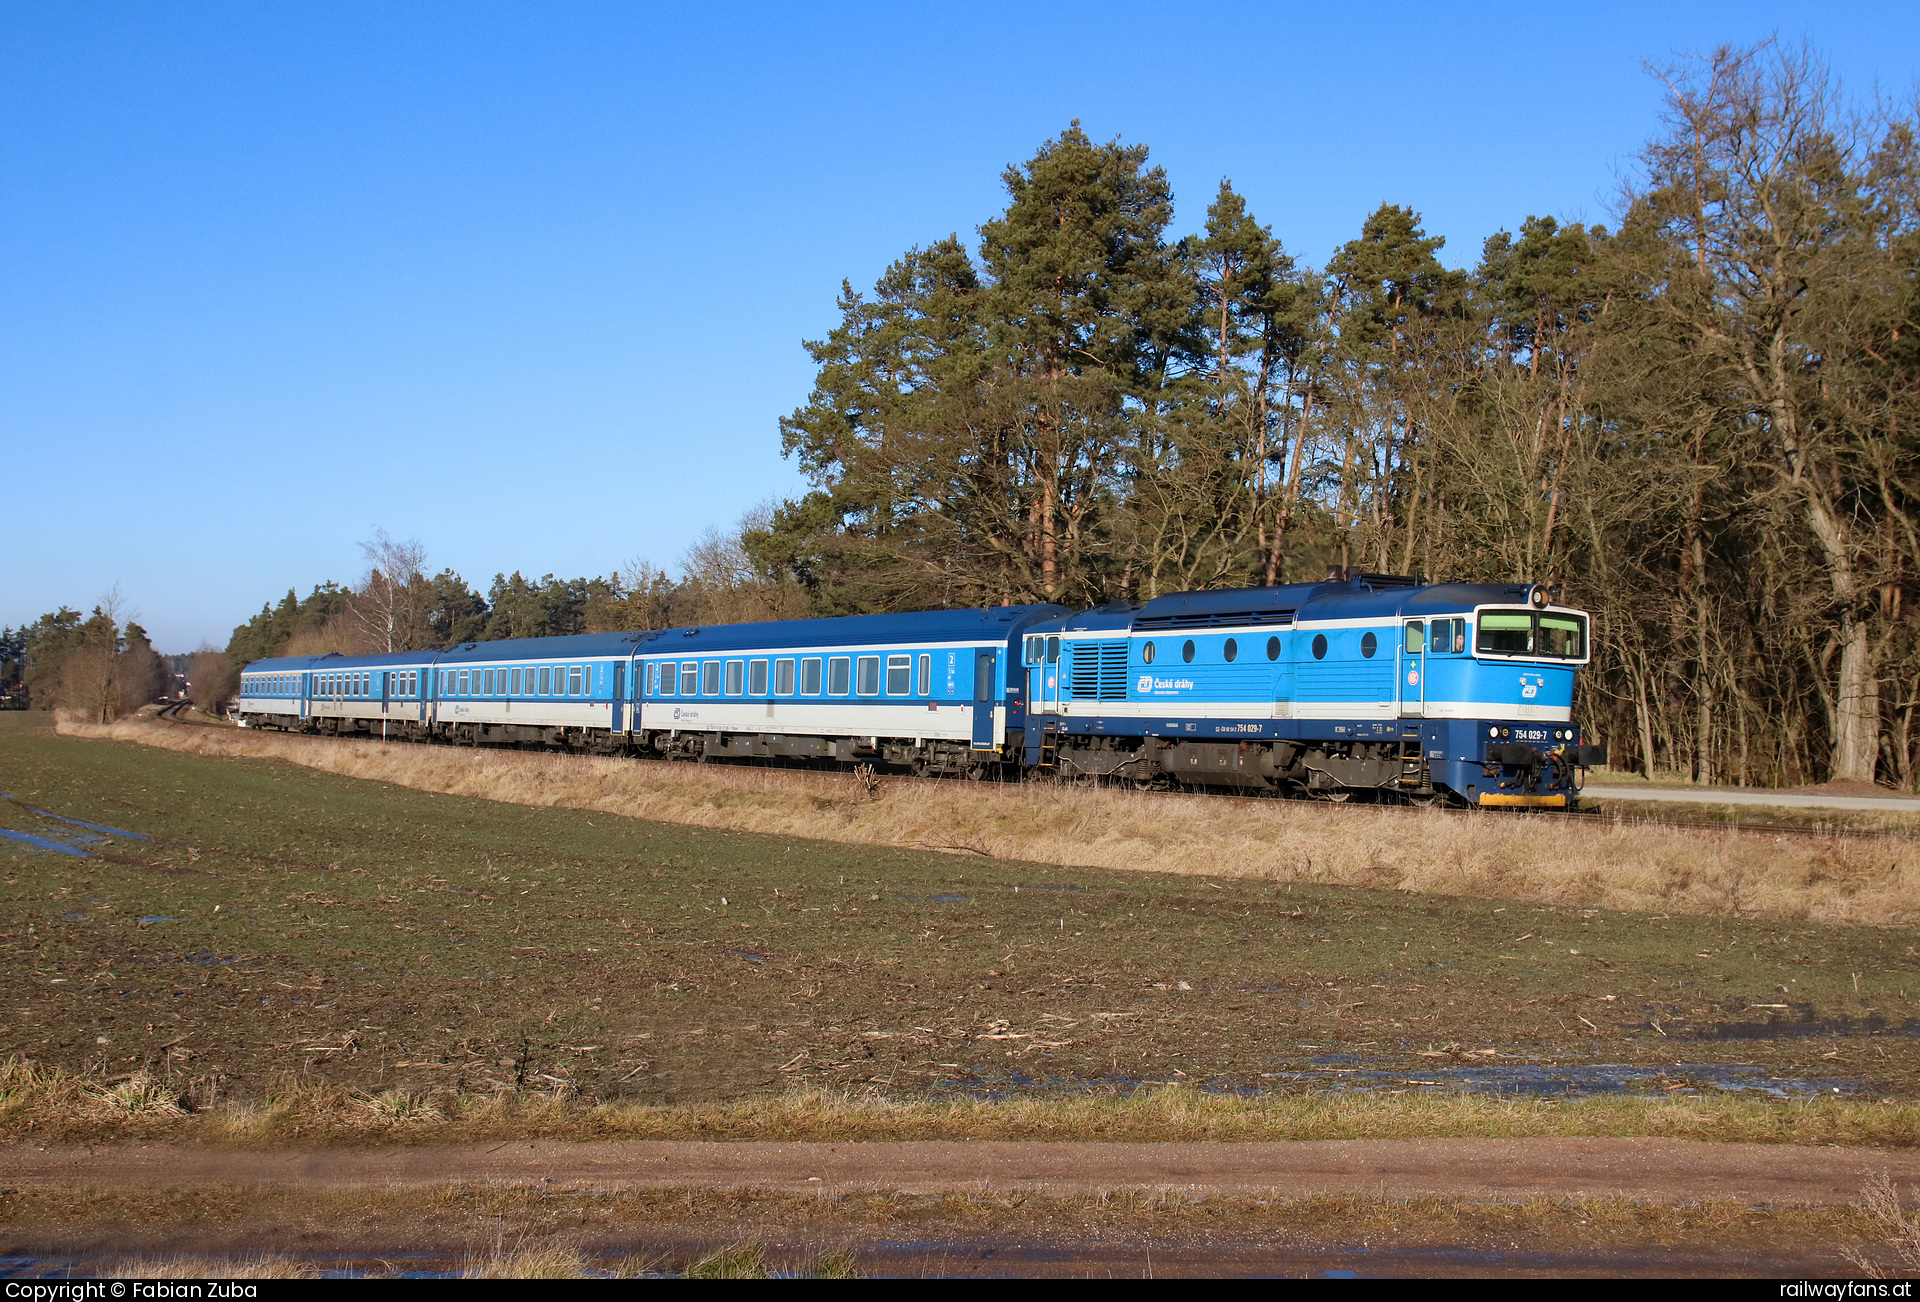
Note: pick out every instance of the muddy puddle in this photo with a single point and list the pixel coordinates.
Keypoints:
(1350, 1073)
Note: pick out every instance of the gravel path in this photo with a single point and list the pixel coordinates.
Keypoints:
(1648, 1170)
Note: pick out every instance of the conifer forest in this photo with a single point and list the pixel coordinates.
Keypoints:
(1697, 421)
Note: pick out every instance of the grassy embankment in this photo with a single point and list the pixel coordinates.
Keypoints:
(334, 957)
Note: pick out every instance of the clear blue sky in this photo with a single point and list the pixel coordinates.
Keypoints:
(529, 281)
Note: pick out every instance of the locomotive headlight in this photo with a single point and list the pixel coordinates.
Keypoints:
(1506, 732)
(1493, 732)
(1538, 596)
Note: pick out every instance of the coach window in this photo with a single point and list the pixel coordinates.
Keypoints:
(465, 686)
(838, 669)
(736, 674)
(1147, 654)
(669, 675)
(487, 690)
(710, 678)
(783, 678)
(546, 680)
(1369, 644)
(1319, 646)
(573, 680)
(810, 677)
(926, 675)
(1273, 648)
(757, 678)
(1232, 650)
(899, 675)
(513, 683)
(1186, 652)
(689, 678)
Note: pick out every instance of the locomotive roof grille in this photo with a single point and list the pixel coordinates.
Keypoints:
(1213, 619)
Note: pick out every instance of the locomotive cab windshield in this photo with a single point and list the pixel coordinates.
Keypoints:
(1537, 634)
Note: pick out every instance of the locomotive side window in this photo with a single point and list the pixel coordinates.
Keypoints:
(757, 678)
(1146, 654)
(1053, 651)
(689, 678)
(1442, 635)
(1232, 650)
(838, 671)
(899, 675)
(1033, 651)
(1369, 644)
(1319, 646)
(736, 669)
(1417, 635)
(926, 675)
(1459, 635)
(810, 677)
(869, 675)
(783, 678)
(710, 678)
(1186, 652)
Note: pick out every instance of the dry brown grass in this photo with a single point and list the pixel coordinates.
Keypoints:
(263, 1267)
(1899, 1233)
(50, 1105)
(1859, 880)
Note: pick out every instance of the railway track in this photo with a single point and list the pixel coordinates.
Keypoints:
(179, 715)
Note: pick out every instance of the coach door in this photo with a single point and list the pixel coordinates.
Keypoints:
(984, 666)
(619, 724)
(1413, 669)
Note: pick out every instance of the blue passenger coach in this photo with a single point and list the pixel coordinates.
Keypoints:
(934, 691)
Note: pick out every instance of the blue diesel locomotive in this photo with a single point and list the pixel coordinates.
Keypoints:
(1374, 685)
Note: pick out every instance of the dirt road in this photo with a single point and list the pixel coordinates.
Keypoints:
(1646, 1170)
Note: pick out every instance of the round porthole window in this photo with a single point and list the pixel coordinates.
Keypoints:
(1233, 649)
(1146, 654)
(1319, 646)
(1186, 652)
(1368, 645)
(1273, 648)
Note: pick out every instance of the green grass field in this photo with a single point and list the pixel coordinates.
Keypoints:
(287, 923)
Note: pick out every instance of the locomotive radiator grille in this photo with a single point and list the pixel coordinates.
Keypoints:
(1098, 671)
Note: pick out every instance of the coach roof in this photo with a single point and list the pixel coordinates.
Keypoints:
(917, 628)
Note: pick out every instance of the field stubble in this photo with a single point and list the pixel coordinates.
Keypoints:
(1849, 880)
(414, 956)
